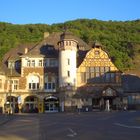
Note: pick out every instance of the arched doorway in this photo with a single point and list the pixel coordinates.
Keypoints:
(12, 104)
(30, 104)
(108, 96)
(51, 104)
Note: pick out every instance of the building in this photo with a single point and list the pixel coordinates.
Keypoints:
(60, 73)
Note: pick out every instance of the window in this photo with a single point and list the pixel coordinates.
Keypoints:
(50, 82)
(112, 77)
(28, 63)
(68, 60)
(33, 82)
(83, 77)
(33, 63)
(40, 64)
(97, 72)
(14, 84)
(46, 63)
(92, 69)
(97, 69)
(50, 48)
(52, 62)
(68, 73)
(53, 85)
(62, 44)
(107, 69)
(97, 53)
(17, 64)
(33, 86)
(66, 43)
(88, 75)
(11, 64)
(107, 77)
(45, 85)
(92, 72)
(49, 86)
(102, 69)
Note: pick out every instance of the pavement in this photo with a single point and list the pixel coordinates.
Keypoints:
(4, 118)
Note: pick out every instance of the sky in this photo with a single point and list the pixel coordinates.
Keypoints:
(59, 11)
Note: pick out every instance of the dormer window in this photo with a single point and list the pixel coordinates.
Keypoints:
(11, 64)
(50, 48)
(17, 64)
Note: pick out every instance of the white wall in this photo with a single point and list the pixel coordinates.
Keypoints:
(64, 55)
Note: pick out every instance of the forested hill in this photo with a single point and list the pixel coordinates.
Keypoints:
(120, 39)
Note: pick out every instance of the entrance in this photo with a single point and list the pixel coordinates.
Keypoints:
(11, 104)
(51, 104)
(31, 104)
(103, 103)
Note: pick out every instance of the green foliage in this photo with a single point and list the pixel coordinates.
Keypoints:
(118, 38)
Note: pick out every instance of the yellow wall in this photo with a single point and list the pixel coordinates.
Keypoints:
(96, 57)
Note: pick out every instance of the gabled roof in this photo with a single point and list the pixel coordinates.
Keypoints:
(48, 47)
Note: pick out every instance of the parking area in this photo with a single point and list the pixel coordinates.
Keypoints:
(122, 125)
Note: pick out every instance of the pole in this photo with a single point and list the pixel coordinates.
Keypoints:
(10, 87)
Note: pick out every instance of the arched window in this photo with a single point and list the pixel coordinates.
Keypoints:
(33, 82)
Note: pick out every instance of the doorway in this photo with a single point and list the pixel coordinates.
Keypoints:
(31, 104)
(51, 104)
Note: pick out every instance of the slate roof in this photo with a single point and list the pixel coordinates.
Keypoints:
(131, 83)
(48, 47)
(91, 90)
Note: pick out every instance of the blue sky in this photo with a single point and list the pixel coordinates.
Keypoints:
(58, 11)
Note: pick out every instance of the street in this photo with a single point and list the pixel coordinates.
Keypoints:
(84, 126)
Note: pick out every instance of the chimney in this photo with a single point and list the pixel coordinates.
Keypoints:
(46, 34)
(26, 50)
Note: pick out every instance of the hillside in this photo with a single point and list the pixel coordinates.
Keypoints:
(120, 39)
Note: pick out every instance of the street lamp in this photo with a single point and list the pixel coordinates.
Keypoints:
(10, 89)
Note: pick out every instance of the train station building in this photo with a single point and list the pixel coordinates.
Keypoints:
(61, 73)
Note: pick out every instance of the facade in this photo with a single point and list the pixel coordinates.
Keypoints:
(61, 73)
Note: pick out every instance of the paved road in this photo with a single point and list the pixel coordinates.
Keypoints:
(4, 118)
(67, 126)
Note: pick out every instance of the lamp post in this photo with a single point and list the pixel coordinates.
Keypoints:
(10, 89)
